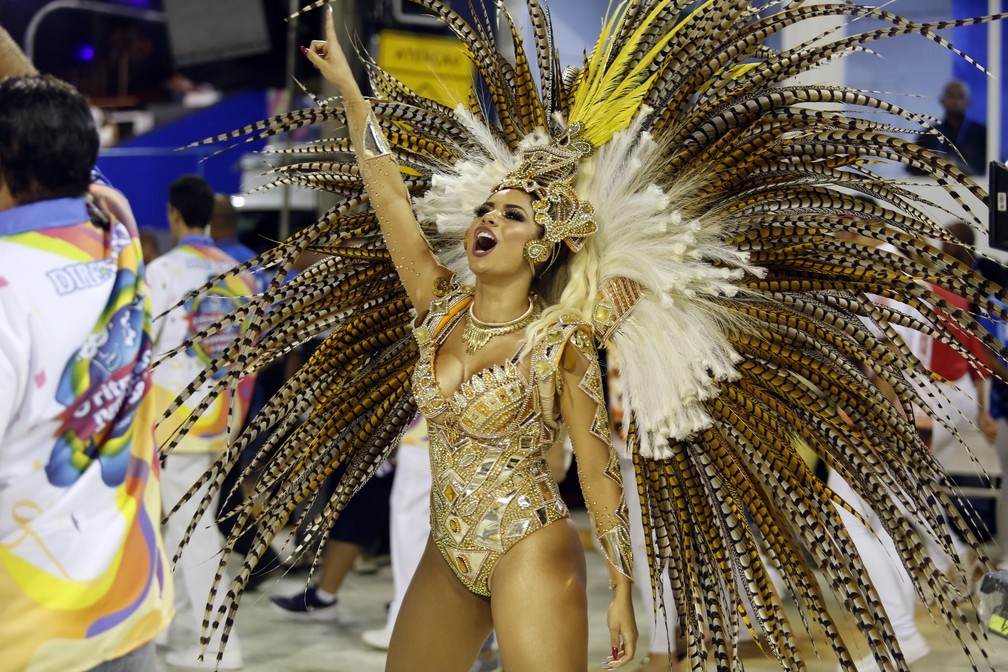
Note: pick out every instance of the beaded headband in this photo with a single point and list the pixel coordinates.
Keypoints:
(547, 174)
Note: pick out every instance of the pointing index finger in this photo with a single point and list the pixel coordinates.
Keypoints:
(330, 28)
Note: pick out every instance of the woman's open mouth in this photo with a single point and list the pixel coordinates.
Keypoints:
(484, 243)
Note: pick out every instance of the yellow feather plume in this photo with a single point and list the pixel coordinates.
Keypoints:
(608, 98)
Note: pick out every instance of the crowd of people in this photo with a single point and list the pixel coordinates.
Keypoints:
(92, 578)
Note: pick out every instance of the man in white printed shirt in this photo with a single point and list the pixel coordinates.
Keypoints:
(84, 580)
(193, 262)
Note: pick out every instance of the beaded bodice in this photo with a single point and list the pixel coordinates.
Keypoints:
(491, 484)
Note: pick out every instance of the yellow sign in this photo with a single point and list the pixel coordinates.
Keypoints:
(433, 66)
(998, 625)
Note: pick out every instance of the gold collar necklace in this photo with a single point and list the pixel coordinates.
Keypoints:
(477, 333)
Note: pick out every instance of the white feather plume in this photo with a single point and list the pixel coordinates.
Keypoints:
(455, 194)
(672, 346)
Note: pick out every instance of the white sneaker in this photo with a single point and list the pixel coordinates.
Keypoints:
(188, 659)
(378, 639)
(913, 650)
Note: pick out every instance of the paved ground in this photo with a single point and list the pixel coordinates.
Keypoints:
(274, 644)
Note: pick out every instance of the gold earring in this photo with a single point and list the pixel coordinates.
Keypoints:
(536, 251)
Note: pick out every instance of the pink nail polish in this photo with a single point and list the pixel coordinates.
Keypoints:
(615, 653)
(304, 50)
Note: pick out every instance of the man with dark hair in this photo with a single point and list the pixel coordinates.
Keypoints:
(190, 205)
(84, 579)
(194, 262)
(36, 163)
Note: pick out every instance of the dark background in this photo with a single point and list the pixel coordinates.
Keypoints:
(113, 58)
(109, 57)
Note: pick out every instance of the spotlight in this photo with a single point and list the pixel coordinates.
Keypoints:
(85, 52)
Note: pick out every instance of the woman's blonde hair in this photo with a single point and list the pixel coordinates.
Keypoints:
(567, 289)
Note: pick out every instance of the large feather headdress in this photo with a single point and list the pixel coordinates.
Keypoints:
(743, 322)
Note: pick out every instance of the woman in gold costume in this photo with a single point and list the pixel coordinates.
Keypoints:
(678, 195)
(503, 553)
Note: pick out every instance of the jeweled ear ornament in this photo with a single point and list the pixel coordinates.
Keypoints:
(537, 251)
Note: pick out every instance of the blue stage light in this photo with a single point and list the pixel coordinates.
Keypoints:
(85, 52)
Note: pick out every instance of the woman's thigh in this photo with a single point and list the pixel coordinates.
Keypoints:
(539, 604)
(441, 624)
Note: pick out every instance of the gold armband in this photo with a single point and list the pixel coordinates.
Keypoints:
(616, 546)
(375, 145)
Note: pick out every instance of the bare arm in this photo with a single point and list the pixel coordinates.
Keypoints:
(13, 62)
(583, 409)
(416, 263)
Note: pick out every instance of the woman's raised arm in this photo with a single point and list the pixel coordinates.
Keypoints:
(416, 263)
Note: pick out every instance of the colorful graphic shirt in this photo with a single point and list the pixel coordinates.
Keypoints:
(171, 277)
(83, 573)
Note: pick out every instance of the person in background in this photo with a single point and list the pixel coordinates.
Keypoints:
(194, 261)
(150, 245)
(963, 386)
(999, 411)
(873, 543)
(84, 579)
(892, 583)
(224, 229)
(960, 397)
(361, 528)
(962, 133)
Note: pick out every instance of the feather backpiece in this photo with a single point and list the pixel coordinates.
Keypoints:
(750, 328)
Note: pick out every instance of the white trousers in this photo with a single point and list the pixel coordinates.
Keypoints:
(195, 571)
(880, 558)
(409, 514)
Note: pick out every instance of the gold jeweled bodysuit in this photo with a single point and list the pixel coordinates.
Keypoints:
(491, 483)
